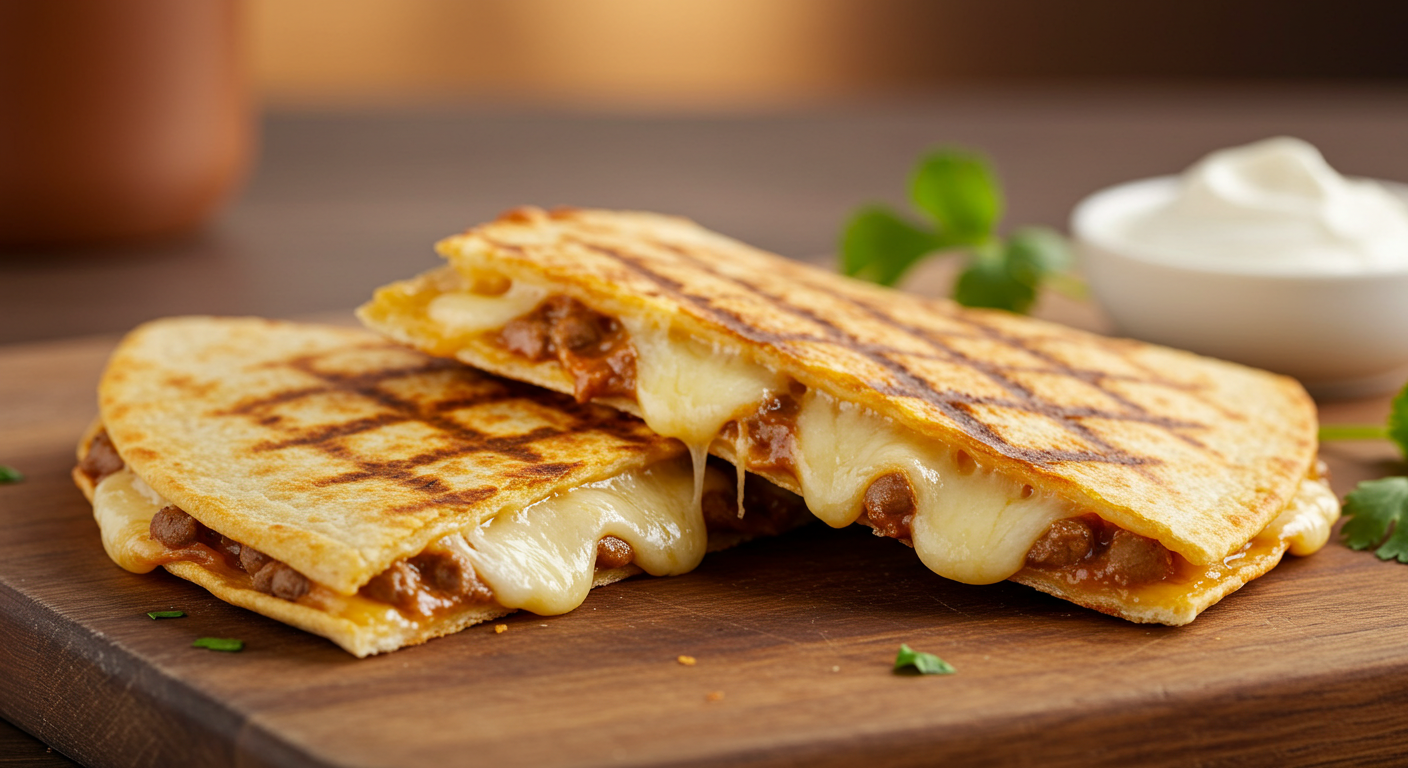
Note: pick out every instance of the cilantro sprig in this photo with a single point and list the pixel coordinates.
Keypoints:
(9, 474)
(1395, 428)
(911, 661)
(1376, 511)
(1378, 516)
(958, 193)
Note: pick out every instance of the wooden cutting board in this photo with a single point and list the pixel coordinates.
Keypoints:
(794, 639)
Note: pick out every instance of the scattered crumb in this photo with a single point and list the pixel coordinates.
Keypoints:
(499, 629)
(688, 661)
(714, 696)
(836, 669)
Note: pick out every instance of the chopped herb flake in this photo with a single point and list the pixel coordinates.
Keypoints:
(10, 475)
(226, 644)
(166, 614)
(921, 663)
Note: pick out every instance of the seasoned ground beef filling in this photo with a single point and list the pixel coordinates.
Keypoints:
(770, 434)
(443, 577)
(612, 552)
(1081, 549)
(890, 505)
(1087, 548)
(593, 347)
(175, 529)
(101, 459)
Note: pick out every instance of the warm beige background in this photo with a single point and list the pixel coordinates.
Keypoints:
(709, 53)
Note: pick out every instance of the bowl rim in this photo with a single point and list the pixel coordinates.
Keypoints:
(1082, 232)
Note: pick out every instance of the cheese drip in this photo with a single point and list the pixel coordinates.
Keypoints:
(542, 557)
(688, 391)
(970, 524)
(974, 528)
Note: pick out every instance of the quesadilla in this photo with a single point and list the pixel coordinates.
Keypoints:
(379, 497)
(1133, 479)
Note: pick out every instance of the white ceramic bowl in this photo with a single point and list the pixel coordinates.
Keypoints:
(1341, 335)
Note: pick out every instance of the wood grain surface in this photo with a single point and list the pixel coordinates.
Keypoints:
(794, 640)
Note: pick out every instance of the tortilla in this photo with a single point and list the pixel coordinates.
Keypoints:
(1000, 425)
(379, 476)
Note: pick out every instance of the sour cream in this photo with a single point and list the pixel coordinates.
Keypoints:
(1273, 207)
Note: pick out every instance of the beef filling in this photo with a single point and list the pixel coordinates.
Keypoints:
(890, 505)
(1087, 548)
(771, 434)
(440, 577)
(173, 528)
(594, 348)
(612, 552)
(101, 459)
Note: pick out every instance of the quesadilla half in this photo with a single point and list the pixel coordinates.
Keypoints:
(379, 497)
(1133, 479)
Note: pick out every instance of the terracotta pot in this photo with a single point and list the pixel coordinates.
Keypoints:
(119, 119)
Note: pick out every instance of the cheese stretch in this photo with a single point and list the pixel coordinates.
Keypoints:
(541, 558)
(970, 524)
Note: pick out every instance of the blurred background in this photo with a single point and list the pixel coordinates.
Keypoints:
(284, 157)
(704, 55)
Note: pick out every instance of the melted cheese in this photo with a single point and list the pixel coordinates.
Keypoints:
(463, 312)
(974, 527)
(969, 525)
(541, 557)
(688, 391)
(1306, 523)
(124, 506)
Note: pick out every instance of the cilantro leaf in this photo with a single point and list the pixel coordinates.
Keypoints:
(959, 190)
(1374, 507)
(880, 246)
(10, 475)
(1398, 421)
(226, 644)
(1034, 253)
(165, 614)
(922, 663)
(989, 281)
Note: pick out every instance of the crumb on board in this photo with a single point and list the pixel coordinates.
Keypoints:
(499, 629)
(836, 669)
(714, 696)
(688, 661)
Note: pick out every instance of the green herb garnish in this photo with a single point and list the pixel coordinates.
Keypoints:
(10, 475)
(226, 644)
(1374, 507)
(165, 614)
(1395, 429)
(922, 663)
(959, 194)
(1376, 511)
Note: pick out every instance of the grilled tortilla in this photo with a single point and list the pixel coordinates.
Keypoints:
(1137, 480)
(373, 495)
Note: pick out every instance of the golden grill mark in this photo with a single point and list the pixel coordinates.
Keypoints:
(461, 440)
(955, 405)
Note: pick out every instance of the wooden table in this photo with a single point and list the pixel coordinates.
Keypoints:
(1305, 665)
